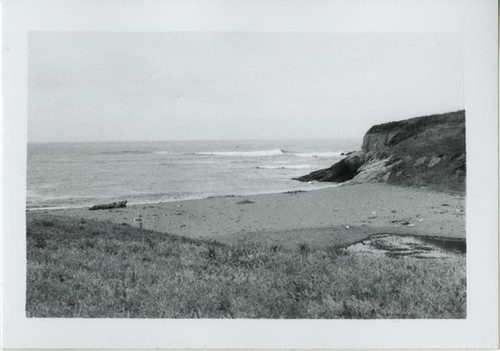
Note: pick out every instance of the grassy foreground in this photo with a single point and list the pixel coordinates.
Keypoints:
(84, 268)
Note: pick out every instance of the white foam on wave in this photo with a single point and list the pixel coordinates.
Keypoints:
(284, 167)
(272, 152)
(258, 153)
(319, 154)
(52, 208)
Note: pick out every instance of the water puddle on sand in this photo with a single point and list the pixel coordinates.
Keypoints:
(395, 246)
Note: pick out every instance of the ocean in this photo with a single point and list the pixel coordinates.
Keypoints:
(84, 174)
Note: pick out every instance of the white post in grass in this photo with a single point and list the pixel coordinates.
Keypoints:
(139, 220)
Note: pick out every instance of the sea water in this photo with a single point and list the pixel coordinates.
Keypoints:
(83, 174)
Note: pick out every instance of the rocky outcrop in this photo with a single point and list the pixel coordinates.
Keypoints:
(342, 171)
(423, 151)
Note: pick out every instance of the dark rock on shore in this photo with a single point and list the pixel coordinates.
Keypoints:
(423, 151)
(119, 204)
(345, 169)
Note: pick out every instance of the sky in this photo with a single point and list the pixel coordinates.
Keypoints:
(97, 86)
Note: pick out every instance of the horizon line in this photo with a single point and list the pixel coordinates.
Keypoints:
(181, 140)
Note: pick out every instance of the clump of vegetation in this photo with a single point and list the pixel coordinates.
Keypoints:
(85, 268)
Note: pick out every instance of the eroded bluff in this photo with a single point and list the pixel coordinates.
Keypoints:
(423, 151)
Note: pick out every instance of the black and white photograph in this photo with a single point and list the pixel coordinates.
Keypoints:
(245, 175)
(220, 174)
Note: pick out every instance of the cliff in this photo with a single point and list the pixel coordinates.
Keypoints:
(423, 151)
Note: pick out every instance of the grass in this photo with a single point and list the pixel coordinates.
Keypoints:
(84, 268)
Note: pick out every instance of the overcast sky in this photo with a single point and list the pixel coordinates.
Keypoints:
(92, 86)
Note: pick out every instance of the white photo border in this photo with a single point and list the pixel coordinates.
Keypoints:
(475, 20)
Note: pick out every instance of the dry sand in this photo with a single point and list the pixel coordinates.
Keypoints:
(329, 216)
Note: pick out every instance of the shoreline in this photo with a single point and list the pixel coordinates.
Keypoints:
(338, 214)
(194, 198)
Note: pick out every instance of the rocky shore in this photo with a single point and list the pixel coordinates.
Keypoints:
(426, 151)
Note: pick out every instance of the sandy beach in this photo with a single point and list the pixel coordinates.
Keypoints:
(337, 215)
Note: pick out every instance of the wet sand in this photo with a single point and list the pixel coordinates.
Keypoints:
(329, 216)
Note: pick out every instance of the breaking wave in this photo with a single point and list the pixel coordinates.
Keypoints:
(319, 154)
(284, 167)
(272, 152)
(258, 153)
(124, 152)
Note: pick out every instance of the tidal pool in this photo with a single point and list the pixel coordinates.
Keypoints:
(409, 246)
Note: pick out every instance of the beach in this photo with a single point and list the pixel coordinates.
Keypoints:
(353, 251)
(336, 215)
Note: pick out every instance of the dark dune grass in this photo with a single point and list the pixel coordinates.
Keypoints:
(85, 268)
